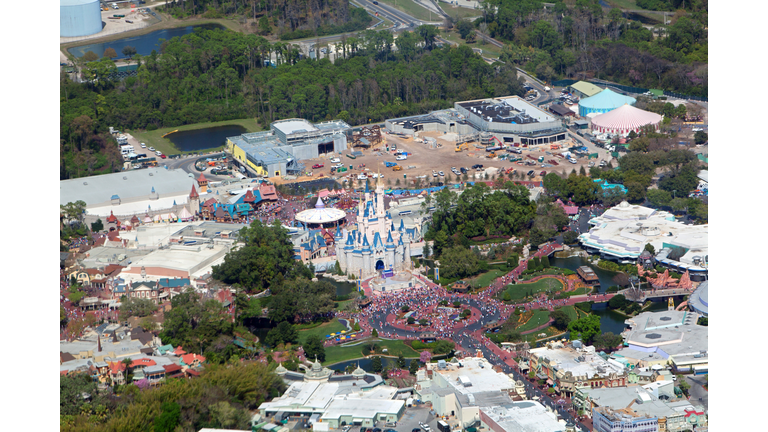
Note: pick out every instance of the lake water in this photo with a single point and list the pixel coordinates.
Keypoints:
(144, 44)
(342, 288)
(365, 363)
(572, 263)
(203, 139)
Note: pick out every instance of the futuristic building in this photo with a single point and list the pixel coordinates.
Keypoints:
(603, 102)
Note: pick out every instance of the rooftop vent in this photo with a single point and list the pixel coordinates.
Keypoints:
(125, 178)
(85, 183)
(666, 318)
(653, 336)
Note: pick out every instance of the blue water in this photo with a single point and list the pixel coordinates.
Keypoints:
(206, 138)
(144, 44)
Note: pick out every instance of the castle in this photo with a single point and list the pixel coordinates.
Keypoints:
(375, 244)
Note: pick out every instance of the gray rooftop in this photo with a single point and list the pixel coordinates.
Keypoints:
(294, 126)
(128, 185)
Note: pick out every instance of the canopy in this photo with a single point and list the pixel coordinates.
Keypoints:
(603, 102)
(624, 119)
(320, 214)
(184, 214)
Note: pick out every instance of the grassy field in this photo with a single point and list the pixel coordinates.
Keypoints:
(573, 314)
(488, 50)
(539, 317)
(485, 279)
(323, 329)
(624, 4)
(460, 12)
(520, 291)
(413, 10)
(336, 354)
(577, 291)
(155, 138)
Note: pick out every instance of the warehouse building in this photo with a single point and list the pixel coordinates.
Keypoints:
(79, 18)
(506, 120)
(129, 192)
(277, 152)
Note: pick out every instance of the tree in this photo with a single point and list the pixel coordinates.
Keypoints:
(659, 197)
(700, 137)
(425, 356)
(110, 53)
(170, 415)
(459, 262)
(411, 320)
(607, 340)
(585, 328)
(621, 279)
(97, 226)
(283, 333)
(682, 384)
(194, 322)
(513, 260)
(267, 252)
(649, 247)
(374, 333)
(570, 237)
(401, 361)
(313, 347)
(413, 367)
(464, 27)
(129, 51)
(376, 364)
(561, 319)
(545, 262)
(423, 322)
(617, 302)
(90, 56)
(703, 321)
(138, 307)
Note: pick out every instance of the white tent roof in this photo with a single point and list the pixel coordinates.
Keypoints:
(625, 118)
(320, 214)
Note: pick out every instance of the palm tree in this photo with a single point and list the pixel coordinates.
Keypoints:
(127, 362)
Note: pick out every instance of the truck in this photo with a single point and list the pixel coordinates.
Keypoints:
(351, 156)
(389, 164)
(442, 426)
(541, 159)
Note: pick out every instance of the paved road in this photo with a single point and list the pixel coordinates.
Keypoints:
(699, 395)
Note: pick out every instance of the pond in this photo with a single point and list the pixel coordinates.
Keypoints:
(612, 321)
(144, 44)
(342, 288)
(204, 139)
(572, 263)
(259, 326)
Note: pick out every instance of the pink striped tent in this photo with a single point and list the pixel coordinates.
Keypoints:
(624, 119)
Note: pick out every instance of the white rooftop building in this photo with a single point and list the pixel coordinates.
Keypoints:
(659, 337)
(622, 232)
(472, 391)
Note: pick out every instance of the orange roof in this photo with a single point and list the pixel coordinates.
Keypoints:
(201, 178)
(143, 362)
(194, 194)
(111, 217)
(179, 350)
(190, 358)
(116, 367)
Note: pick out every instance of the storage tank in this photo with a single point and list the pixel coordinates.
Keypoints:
(79, 18)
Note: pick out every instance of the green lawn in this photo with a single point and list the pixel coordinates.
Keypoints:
(413, 10)
(336, 354)
(573, 314)
(460, 12)
(323, 329)
(488, 49)
(539, 317)
(155, 138)
(485, 279)
(520, 291)
(577, 291)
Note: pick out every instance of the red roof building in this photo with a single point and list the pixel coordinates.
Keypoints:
(194, 194)
(179, 351)
(142, 362)
(111, 218)
(192, 360)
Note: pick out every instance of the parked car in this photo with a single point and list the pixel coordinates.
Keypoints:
(316, 166)
(463, 170)
(143, 145)
(162, 155)
(531, 173)
(543, 173)
(362, 176)
(434, 173)
(151, 149)
(441, 174)
(477, 166)
(335, 160)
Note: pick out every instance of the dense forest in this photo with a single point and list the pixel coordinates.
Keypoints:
(579, 40)
(222, 397)
(214, 75)
(288, 19)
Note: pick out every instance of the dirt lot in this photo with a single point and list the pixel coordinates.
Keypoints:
(442, 158)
